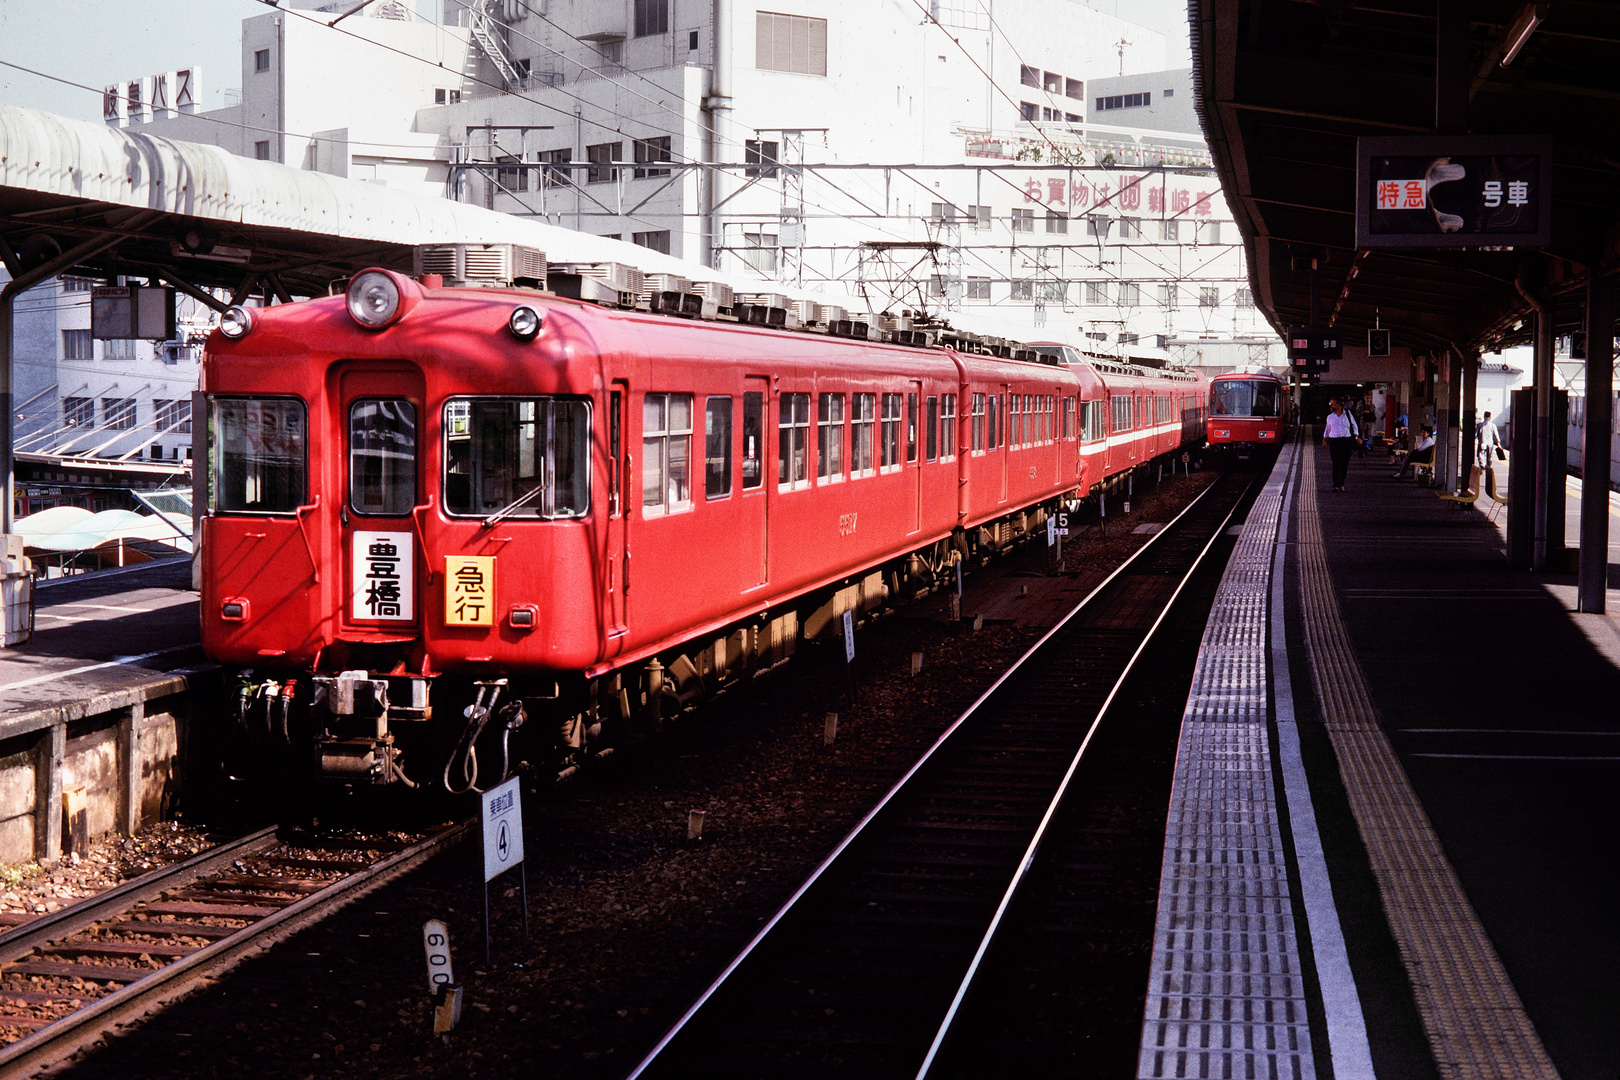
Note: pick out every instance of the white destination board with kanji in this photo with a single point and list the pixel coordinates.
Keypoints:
(384, 577)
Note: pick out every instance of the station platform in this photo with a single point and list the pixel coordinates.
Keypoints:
(99, 699)
(1393, 828)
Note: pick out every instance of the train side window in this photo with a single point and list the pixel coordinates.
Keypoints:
(994, 411)
(830, 438)
(931, 429)
(889, 437)
(793, 455)
(717, 447)
(531, 455)
(258, 455)
(382, 456)
(753, 459)
(1122, 412)
(666, 453)
(1015, 426)
(1068, 417)
(911, 427)
(863, 431)
(947, 427)
(978, 423)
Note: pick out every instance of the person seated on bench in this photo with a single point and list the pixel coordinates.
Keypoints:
(1422, 453)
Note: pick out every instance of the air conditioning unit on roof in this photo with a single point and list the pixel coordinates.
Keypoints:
(616, 276)
(482, 264)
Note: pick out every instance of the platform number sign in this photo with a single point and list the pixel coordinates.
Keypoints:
(384, 584)
(436, 943)
(503, 829)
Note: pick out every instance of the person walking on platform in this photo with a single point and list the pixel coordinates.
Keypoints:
(1339, 438)
(1487, 444)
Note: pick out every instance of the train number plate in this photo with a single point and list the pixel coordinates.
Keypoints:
(384, 577)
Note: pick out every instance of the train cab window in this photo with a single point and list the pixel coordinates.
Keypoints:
(793, 455)
(994, 412)
(830, 438)
(518, 457)
(947, 427)
(258, 454)
(978, 423)
(753, 459)
(1244, 397)
(911, 427)
(382, 456)
(717, 447)
(666, 453)
(931, 429)
(889, 439)
(863, 431)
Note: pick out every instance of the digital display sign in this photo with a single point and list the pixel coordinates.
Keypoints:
(1454, 191)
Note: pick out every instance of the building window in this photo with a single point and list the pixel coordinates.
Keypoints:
(862, 432)
(830, 438)
(790, 43)
(261, 60)
(555, 175)
(1054, 292)
(657, 240)
(523, 67)
(511, 180)
(1130, 228)
(978, 288)
(942, 211)
(442, 96)
(648, 153)
(173, 416)
(979, 217)
(947, 427)
(600, 156)
(118, 413)
(793, 453)
(79, 412)
(1057, 221)
(612, 53)
(1023, 289)
(1170, 230)
(261, 150)
(1209, 232)
(759, 252)
(1072, 118)
(1029, 76)
(1023, 220)
(1029, 110)
(1169, 296)
(1096, 293)
(666, 453)
(759, 159)
(889, 440)
(1130, 294)
(1097, 226)
(1243, 298)
(119, 349)
(77, 345)
(78, 284)
(652, 17)
(1074, 88)
(1169, 93)
(1125, 101)
(1209, 296)
(1053, 83)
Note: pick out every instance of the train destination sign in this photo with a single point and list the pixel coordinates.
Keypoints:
(1454, 191)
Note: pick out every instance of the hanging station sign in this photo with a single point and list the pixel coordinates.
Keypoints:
(1454, 191)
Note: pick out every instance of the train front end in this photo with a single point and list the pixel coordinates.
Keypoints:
(1248, 414)
(398, 549)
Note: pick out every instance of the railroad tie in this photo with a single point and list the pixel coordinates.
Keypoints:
(1476, 1025)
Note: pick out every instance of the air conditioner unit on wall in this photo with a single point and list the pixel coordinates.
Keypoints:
(483, 264)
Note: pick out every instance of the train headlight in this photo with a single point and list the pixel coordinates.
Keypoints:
(374, 299)
(236, 322)
(525, 323)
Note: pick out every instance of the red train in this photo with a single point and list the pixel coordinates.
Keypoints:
(435, 512)
(1248, 412)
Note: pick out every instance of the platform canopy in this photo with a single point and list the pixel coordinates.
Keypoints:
(1285, 88)
(99, 530)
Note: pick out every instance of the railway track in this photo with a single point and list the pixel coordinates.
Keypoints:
(68, 977)
(871, 968)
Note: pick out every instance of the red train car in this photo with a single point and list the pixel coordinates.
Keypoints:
(485, 504)
(1248, 412)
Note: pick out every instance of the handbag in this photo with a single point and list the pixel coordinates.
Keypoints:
(1501, 454)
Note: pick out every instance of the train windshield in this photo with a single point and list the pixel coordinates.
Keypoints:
(1245, 397)
(257, 451)
(517, 457)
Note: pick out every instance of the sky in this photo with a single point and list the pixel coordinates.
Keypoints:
(98, 42)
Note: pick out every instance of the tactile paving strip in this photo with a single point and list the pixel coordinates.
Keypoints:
(1476, 1025)
(1225, 998)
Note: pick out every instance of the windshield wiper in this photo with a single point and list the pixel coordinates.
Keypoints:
(514, 506)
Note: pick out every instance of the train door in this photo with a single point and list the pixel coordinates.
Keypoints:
(913, 456)
(616, 576)
(384, 575)
(754, 535)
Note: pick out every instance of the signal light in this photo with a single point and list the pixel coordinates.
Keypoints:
(236, 323)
